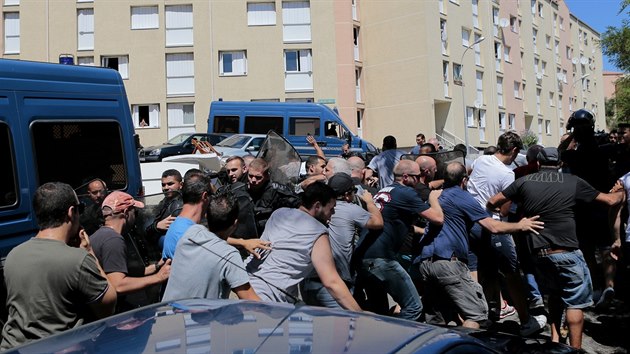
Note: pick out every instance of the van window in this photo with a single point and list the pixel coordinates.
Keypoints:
(334, 130)
(226, 124)
(262, 125)
(77, 152)
(8, 187)
(304, 126)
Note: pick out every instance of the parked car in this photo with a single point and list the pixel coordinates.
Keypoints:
(178, 145)
(240, 145)
(234, 326)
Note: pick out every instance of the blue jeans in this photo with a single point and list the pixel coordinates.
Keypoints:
(315, 294)
(566, 276)
(386, 276)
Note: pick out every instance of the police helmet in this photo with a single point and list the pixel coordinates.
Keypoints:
(581, 117)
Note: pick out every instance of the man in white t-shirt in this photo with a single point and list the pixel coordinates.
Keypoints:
(497, 252)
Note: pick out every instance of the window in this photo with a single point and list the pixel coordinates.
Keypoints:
(552, 99)
(144, 17)
(457, 74)
(444, 36)
(512, 120)
(535, 39)
(482, 125)
(536, 63)
(538, 92)
(569, 52)
(497, 55)
(470, 121)
(506, 54)
(477, 49)
(557, 49)
(541, 11)
(304, 126)
(479, 85)
(355, 15)
(233, 63)
(8, 186)
(564, 76)
(93, 145)
(85, 29)
(262, 125)
(298, 70)
(11, 2)
(441, 6)
(500, 91)
(548, 127)
(87, 61)
(540, 129)
(146, 116)
(533, 7)
(181, 118)
(544, 68)
(11, 33)
(180, 74)
(502, 122)
(548, 41)
(179, 25)
(226, 124)
(495, 21)
(561, 23)
(475, 13)
(118, 63)
(465, 37)
(445, 72)
(560, 114)
(355, 35)
(296, 20)
(261, 14)
(357, 84)
(514, 24)
(517, 89)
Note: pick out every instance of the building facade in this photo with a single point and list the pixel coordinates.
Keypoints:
(461, 70)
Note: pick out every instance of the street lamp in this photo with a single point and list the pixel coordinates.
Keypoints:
(464, 91)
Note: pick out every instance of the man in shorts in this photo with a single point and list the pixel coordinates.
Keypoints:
(562, 272)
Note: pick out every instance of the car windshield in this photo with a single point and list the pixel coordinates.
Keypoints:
(235, 141)
(178, 139)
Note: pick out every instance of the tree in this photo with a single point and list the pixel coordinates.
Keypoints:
(615, 43)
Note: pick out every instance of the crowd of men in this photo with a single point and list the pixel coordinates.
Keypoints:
(449, 240)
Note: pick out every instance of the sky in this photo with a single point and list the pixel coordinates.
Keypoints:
(599, 14)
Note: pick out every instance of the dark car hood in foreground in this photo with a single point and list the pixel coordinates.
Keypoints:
(242, 327)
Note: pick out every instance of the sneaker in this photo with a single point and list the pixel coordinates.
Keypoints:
(606, 298)
(506, 310)
(534, 325)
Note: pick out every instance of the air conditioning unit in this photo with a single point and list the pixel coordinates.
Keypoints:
(539, 76)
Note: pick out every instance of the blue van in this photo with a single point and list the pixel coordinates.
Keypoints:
(294, 121)
(60, 123)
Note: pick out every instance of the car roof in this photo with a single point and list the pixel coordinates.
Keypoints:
(235, 326)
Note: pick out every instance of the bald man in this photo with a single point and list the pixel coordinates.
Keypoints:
(379, 271)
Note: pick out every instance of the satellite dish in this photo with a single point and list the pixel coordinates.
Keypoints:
(478, 104)
(583, 60)
(574, 60)
(504, 22)
(539, 76)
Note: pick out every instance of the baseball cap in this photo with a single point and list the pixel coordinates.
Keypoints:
(548, 156)
(341, 183)
(117, 202)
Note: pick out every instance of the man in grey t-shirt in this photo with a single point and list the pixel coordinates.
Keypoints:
(205, 265)
(348, 220)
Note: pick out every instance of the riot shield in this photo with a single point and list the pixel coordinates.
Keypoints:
(284, 161)
(442, 159)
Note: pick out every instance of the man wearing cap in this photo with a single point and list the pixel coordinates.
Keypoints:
(110, 248)
(347, 221)
(54, 282)
(561, 269)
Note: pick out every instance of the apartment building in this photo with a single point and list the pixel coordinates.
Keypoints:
(462, 70)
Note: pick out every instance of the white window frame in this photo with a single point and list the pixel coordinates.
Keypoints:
(477, 48)
(180, 74)
(303, 63)
(180, 119)
(154, 115)
(548, 127)
(122, 67)
(301, 77)
(511, 121)
(296, 21)
(479, 86)
(500, 91)
(538, 93)
(457, 74)
(11, 2)
(465, 37)
(144, 17)
(444, 36)
(502, 122)
(475, 13)
(11, 32)
(85, 29)
(85, 61)
(261, 14)
(506, 53)
(238, 69)
(470, 117)
(179, 25)
(552, 99)
(517, 89)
